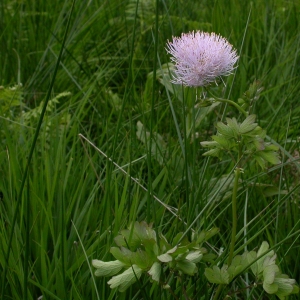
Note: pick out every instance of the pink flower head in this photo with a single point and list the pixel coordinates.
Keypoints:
(200, 58)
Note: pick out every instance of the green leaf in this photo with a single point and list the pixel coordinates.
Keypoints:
(122, 254)
(109, 268)
(126, 279)
(165, 258)
(209, 144)
(271, 147)
(238, 264)
(270, 156)
(186, 267)
(233, 124)
(155, 271)
(128, 238)
(217, 275)
(248, 124)
(260, 161)
(144, 231)
(194, 256)
(269, 273)
(285, 285)
(213, 152)
(270, 288)
(251, 256)
(226, 130)
(203, 236)
(259, 144)
(222, 141)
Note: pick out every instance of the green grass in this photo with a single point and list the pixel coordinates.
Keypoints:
(75, 200)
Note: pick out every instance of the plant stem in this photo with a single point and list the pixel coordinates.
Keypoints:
(234, 214)
(219, 290)
(230, 102)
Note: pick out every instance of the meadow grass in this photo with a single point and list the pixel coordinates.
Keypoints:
(75, 199)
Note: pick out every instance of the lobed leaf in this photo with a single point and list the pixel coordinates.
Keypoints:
(109, 268)
(126, 279)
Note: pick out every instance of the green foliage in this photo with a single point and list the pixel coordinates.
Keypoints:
(141, 251)
(245, 138)
(79, 200)
(263, 266)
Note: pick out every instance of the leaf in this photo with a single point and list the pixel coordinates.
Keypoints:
(285, 285)
(270, 288)
(222, 141)
(203, 236)
(270, 156)
(248, 124)
(209, 144)
(271, 147)
(187, 267)
(238, 264)
(213, 152)
(217, 275)
(128, 238)
(233, 124)
(259, 144)
(155, 271)
(109, 268)
(226, 130)
(260, 161)
(126, 279)
(165, 258)
(251, 256)
(194, 256)
(123, 256)
(269, 273)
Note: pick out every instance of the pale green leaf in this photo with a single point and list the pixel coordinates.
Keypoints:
(213, 152)
(126, 279)
(285, 285)
(269, 273)
(209, 144)
(270, 288)
(194, 256)
(108, 268)
(165, 258)
(251, 256)
(155, 271)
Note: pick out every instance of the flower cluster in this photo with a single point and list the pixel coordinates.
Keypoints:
(201, 57)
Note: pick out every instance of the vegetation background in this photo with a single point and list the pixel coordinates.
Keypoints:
(111, 88)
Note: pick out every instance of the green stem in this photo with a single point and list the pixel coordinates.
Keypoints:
(230, 102)
(219, 290)
(234, 214)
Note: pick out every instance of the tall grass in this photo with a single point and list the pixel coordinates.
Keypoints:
(75, 200)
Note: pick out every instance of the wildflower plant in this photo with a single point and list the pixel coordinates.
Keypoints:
(200, 60)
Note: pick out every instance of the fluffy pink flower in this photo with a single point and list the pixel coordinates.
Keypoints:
(200, 58)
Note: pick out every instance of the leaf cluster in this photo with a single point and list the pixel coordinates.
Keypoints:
(243, 140)
(263, 266)
(140, 251)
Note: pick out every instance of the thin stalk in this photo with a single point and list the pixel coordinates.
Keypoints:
(230, 102)
(234, 213)
(219, 290)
